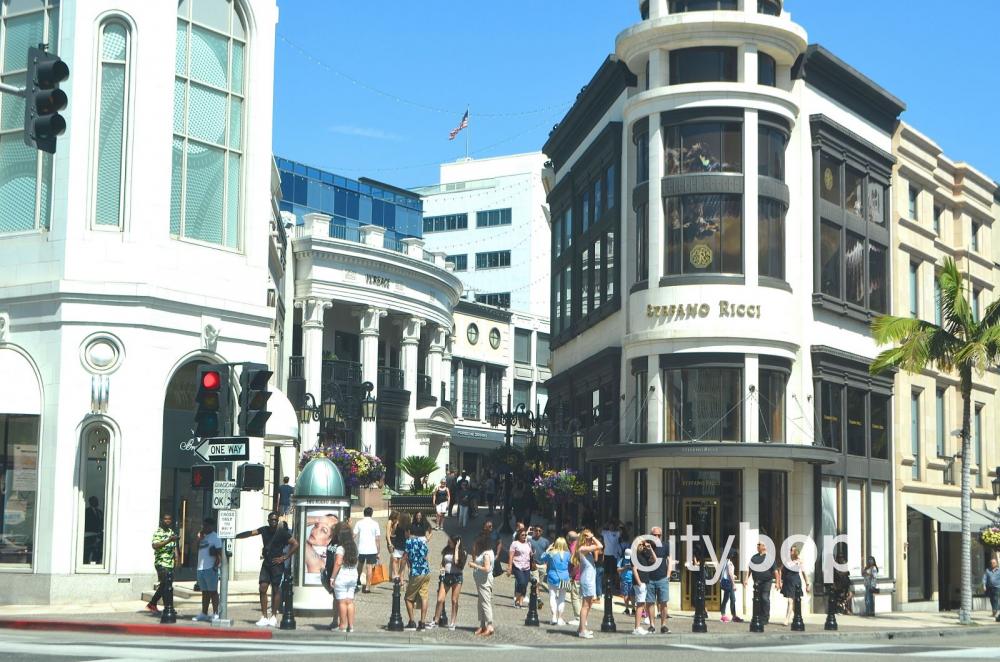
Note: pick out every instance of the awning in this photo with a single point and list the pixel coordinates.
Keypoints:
(284, 423)
(714, 449)
(476, 439)
(949, 518)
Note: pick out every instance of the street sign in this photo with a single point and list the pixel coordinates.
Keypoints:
(224, 449)
(227, 524)
(225, 495)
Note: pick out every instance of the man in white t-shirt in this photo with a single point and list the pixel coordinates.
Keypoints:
(367, 534)
(209, 560)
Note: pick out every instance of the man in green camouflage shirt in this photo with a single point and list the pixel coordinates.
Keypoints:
(164, 556)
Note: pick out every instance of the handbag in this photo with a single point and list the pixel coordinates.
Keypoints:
(497, 567)
(379, 575)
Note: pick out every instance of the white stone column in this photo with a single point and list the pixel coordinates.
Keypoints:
(459, 380)
(370, 323)
(313, 311)
(654, 402)
(657, 8)
(751, 405)
(434, 355)
(409, 354)
(655, 237)
(446, 368)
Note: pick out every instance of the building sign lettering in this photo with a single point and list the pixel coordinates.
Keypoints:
(684, 311)
(377, 281)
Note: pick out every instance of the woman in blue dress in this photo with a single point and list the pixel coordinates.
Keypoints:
(586, 556)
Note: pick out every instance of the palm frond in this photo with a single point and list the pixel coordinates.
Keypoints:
(889, 329)
(955, 306)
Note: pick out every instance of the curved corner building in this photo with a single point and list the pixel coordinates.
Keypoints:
(720, 234)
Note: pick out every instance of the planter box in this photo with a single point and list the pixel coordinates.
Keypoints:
(411, 503)
(371, 497)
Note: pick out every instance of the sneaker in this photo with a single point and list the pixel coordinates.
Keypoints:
(273, 621)
(645, 621)
(263, 622)
(574, 622)
(350, 628)
(561, 622)
(737, 619)
(651, 630)
(421, 627)
(215, 617)
(639, 632)
(586, 634)
(664, 630)
(553, 622)
(201, 618)
(410, 626)
(452, 626)
(724, 619)
(152, 608)
(431, 625)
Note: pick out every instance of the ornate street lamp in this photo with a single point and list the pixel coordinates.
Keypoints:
(368, 403)
(521, 417)
(996, 484)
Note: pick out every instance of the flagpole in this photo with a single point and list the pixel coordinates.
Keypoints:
(467, 131)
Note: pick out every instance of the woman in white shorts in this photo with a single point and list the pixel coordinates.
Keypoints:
(442, 497)
(399, 525)
(344, 576)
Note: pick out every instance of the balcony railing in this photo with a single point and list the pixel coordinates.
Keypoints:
(390, 378)
(343, 372)
(346, 233)
(393, 244)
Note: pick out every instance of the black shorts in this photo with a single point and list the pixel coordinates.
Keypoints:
(450, 579)
(370, 559)
(271, 573)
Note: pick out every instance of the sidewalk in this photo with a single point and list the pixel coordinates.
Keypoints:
(373, 610)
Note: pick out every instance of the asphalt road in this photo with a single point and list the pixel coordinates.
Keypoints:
(17, 646)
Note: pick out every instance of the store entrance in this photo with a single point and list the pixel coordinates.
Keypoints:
(703, 516)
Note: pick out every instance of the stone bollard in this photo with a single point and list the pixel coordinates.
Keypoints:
(608, 624)
(287, 606)
(831, 610)
(169, 614)
(757, 622)
(531, 620)
(395, 618)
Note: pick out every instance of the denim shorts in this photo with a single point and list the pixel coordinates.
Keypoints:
(658, 590)
(208, 580)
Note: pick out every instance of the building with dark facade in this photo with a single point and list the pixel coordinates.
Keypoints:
(720, 244)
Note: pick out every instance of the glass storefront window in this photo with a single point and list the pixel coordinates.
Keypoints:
(772, 500)
(702, 404)
(640, 494)
(19, 483)
(701, 147)
(771, 152)
(94, 464)
(704, 234)
(772, 405)
(771, 238)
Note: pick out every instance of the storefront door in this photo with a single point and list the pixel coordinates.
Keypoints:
(703, 516)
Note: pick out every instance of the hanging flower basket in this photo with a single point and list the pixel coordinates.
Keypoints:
(990, 535)
(558, 486)
(357, 468)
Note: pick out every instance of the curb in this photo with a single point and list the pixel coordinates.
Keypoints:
(147, 629)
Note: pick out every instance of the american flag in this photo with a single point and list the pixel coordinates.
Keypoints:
(461, 125)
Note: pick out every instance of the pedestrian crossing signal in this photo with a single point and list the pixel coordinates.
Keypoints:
(202, 476)
(250, 477)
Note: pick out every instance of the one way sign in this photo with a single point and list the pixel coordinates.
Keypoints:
(224, 449)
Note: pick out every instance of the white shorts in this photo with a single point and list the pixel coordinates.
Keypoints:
(442, 508)
(345, 584)
(640, 593)
(397, 553)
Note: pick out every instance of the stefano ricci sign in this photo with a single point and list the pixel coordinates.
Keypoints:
(685, 311)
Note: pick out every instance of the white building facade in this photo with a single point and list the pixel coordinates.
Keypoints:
(138, 251)
(720, 235)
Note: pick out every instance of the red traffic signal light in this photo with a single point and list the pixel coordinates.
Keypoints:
(211, 380)
(212, 412)
(202, 476)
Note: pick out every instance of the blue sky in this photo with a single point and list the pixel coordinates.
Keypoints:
(372, 89)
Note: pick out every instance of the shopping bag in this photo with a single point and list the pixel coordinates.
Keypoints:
(379, 575)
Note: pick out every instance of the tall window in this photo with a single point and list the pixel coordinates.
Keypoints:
(976, 298)
(641, 157)
(610, 272)
(977, 441)
(974, 237)
(772, 405)
(702, 64)
(940, 423)
(938, 311)
(878, 423)
(704, 234)
(109, 190)
(25, 173)
(938, 212)
(585, 282)
(831, 414)
(208, 123)
(19, 463)
(94, 492)
(470, 391)
(771, 238)
(641, 379)
(914, 288)
(542, 350)
(915, 433)
(522, 346)
(702, 403)
(642, 243)
(912, 196)
(771, 152)
(494, 387)
(767, 70)
(699, 147)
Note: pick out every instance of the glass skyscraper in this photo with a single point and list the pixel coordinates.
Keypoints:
(350, 203)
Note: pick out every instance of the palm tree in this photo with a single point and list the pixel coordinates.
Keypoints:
(418, 467)
(960, 343)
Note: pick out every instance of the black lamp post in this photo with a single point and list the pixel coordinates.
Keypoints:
(996, 484)
(336, 407)
(510, 417)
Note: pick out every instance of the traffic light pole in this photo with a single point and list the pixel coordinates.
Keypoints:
(224, 621)
(10, 89)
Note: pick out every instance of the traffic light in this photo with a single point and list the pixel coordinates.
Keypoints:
(202, 476)
(43, 99)
(250, 477)
(212, 412)
(253, 400)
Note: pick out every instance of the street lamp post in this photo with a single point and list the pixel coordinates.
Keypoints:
(336, 407)
(508, 418)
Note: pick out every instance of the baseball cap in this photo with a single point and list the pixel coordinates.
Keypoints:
(628, 553)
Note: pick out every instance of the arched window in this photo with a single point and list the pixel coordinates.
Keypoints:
(208, 122)
(113, 85)
(95, 493)
(25, 173)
